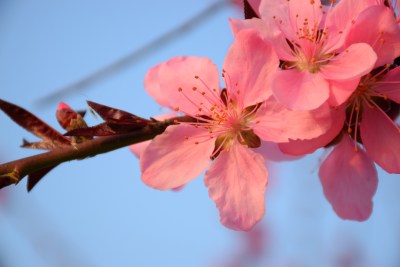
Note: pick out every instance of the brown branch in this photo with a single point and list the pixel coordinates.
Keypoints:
(13, 172)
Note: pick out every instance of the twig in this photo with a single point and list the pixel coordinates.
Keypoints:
(13, 172)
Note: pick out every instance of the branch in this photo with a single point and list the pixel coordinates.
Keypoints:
(13, 172)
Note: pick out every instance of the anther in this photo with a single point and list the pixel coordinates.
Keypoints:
(194, 88)
(196, 77)
(179, 89)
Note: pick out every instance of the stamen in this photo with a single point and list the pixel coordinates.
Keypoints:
(215, 98)
(356, 127)
(216, 151)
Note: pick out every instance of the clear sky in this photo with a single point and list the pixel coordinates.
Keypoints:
(97, 212)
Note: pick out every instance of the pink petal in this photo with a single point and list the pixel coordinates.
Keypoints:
(381, 139)
(349, 180)
(238, 25)
(249, 67)
(274, 122)
(340, 91)
(301, 147)
(269, 31)
(153, 87)
(138, 148)
(275, 9)
(236, 181)
(300, 11)
(192, 75)
(342, 16)
(289, 14)
(271, 151)
(300, 90)
(179, 188)
(172, 160)
(390, 85)
(354, 62)
(382, 33)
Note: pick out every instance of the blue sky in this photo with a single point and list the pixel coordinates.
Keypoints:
(97, 212)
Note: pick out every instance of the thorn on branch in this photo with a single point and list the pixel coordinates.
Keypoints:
(9, 179)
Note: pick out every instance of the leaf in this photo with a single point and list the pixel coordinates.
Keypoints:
(68, 118)
(105, 129)
(115, 115)
(249, 12)
(35, 177)
(99, 130)
(31, 123)
(45, 145)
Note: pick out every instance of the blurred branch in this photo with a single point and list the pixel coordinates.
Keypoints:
(13, 172)
(131, 58)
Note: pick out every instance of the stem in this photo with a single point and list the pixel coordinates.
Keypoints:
(13, 172)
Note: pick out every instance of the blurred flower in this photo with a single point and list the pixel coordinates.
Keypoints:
(224, 126)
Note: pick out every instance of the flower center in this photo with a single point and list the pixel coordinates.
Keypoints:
(224, 118)
(308, 39)
(367, 95)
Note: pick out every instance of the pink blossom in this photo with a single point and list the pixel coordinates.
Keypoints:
(223, 125)
(348, 175)
(309, 39)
